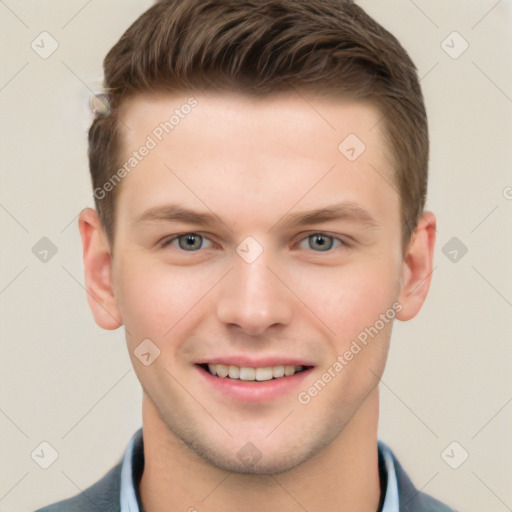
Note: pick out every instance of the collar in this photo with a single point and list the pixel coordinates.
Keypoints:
(391, 503)
(133, 465)
(129, 470)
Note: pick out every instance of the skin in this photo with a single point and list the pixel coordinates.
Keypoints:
(254, 163)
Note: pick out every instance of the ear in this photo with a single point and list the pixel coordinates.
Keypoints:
(417, 267)
(98, 271)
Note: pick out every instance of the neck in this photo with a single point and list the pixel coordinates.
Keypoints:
(343, 476)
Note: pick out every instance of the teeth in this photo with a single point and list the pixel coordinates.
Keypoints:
(222, 370)
(247, 373)
(278, 371)
(289, 370)
(264, 373)
(253, 374)
(234, 372)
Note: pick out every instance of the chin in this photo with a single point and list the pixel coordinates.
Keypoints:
(253, 460)
(249, 460)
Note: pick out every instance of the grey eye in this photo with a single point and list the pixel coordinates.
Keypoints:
(320, 242)
(190, 242)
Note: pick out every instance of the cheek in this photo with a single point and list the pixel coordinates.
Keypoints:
(351, 301)
(351, 298)
(155, 299)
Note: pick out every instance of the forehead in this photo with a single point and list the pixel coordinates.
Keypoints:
(275, 151)
(158, 114)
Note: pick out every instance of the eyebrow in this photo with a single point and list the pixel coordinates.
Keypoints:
(346, 211)
(176, 212)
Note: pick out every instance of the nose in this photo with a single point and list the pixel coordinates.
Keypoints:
(253, 298)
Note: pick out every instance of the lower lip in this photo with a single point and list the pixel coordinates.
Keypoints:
(254, 391)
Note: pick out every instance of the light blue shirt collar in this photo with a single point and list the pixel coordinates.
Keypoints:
(391, 503)
(128, 498)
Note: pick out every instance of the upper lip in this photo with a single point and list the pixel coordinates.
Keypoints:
(260, 362)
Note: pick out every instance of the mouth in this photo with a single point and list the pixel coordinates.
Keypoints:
(252, 374)
(244, 379)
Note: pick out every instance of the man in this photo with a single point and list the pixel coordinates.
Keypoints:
(260, 173)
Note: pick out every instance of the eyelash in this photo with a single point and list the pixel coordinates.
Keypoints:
(341, 243)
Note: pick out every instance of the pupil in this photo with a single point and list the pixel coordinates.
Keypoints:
(321, 241)
(190, 242)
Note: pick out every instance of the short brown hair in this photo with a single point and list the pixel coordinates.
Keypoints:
(260, 47)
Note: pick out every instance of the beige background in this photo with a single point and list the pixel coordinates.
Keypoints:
(70, 384)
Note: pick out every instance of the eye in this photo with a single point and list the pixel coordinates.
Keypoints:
(320, 242)
(189, 242)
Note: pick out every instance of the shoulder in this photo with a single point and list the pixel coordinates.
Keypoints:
(412, 500)
(102, 496)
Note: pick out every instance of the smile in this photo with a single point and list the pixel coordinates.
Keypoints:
(248, 373)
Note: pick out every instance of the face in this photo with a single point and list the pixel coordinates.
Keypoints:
(249, 242)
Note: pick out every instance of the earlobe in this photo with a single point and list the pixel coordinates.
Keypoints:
(98, 271)
(417, 267)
